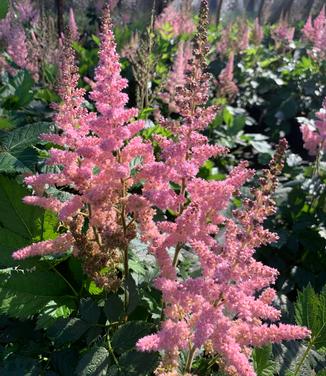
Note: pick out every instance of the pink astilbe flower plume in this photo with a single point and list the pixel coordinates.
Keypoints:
(282, 34)
(179, 20)
(211, 310)
(73, 25)
(94, 159)
(257, 34)
(177, 76)
(315, 32)
(314, 137)
(227, 86)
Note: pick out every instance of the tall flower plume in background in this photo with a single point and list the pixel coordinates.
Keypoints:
(95, 157)
(219, 311)
(227, 86)
(177, 76)
(315, 137)
(14, 37)
(257, 34)
(179, 20)
(315, 32)
(73, 25)
(282, 34)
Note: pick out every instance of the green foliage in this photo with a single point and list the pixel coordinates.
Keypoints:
(25, 293)
(263, 364)
(94, 362)
(4, 7)
(126, 336)
(16, 152)
(310, 311)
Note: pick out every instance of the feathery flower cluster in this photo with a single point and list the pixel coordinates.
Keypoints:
(227, 86)
(73, 25)
(95, 157)
(27, 11)
(315, 32)
(13, 35)
(235, 41)
(257, 35)
(282, 34)
(179, 20)
(177, 77)
(315, 138)
(218, 310)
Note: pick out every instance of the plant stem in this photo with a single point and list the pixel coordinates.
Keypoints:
(305, 354)
(112, 352)
(190, 358)
(176, 254)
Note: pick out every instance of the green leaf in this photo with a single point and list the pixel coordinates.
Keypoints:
(54, 310)
(16, 152)
(20, 224)
(263, 364)
(26, 293)
(89, 311)
(133, 296)
(310, 311)
(20, 365)
(94, 362)
(127, 335)
(4, 7)
(65, 361)
(67, 330)
(113, 307)
(136, 363)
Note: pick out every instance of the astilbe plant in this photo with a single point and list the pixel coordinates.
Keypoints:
(14, 37)
(282, 34)
(315, 32)
(177, 76)
(220, 311)
(95, 157)
(179, 20)
(225, 309)
(315, 137)
(227, 87)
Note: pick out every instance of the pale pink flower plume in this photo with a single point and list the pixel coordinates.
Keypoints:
(257, 34)
(227, 87)
(177, 76)
(48, 247)
(315, 137)
(178, 19)
(73, 28)
(315, 32)
(282, 34)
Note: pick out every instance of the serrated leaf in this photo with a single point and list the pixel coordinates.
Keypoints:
(127, 335)
(67, 330)
(263, 364)
(113, 308)
(94, 362)
(310, 311)
(133, 296)
(16, 152)
(89, 311)
(54, 310)
(24, 294)
(20, 365)
(20, 224)
(136, 363)
(65, 361)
